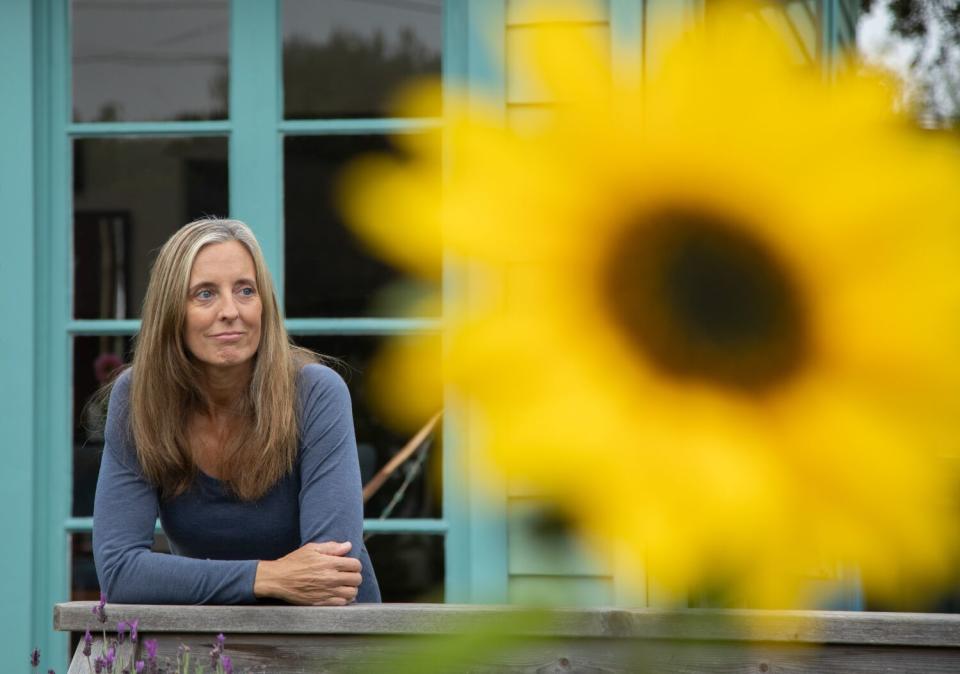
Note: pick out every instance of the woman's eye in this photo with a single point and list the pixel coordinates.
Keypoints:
(248, 292)
(204, 294)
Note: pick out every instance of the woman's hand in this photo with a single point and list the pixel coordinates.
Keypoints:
(318, 574)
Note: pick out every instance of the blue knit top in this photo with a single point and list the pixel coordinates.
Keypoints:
(215, 538)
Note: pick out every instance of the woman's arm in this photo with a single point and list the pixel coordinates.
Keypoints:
(331, 501)
(124, 517)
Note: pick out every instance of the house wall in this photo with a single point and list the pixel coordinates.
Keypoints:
(561, 568)
(17, 336)
(552, 568)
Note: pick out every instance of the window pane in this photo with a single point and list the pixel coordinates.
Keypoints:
(328, 271)
(415, 488)
(345, 58)
(84, 585)
(145, 60)
(129, 195)
(409, 567)
(95, 361)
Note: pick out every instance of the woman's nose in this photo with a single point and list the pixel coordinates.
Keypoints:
(228, 308)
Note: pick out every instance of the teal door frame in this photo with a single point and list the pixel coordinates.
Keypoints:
(19, 356)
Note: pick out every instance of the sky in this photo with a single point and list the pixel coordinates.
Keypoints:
(878, 45)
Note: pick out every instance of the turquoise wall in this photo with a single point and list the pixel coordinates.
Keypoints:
(18, 302)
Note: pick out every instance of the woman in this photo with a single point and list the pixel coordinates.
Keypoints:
(240, 442)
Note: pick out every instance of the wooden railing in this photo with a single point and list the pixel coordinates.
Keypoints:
(379, 638)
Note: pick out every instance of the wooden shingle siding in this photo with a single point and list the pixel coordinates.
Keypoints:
(523, 20)
(533, 551)
(557, 571)
(558, 568)
(522, 87)
(524, 12)
(562, 591)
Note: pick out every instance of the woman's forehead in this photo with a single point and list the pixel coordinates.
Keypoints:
(219, 260)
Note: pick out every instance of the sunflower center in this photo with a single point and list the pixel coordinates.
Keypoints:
(704, 298)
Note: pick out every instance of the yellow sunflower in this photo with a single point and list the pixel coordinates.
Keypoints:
(716, 319)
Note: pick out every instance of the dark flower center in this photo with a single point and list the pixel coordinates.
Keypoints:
(703, 298)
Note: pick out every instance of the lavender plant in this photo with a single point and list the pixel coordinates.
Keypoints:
(119, 655)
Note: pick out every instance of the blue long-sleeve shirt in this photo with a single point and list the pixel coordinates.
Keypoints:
(217, 539)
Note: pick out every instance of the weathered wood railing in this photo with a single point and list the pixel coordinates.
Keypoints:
(368, 638)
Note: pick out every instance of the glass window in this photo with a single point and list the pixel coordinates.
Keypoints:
(345, 58)
(329, 273)
(415, 488)
(129, 195)
(150, 60)
(409, 567)
(168, 61)
(96, 360)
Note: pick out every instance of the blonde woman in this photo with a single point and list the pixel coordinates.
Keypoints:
(242, 444)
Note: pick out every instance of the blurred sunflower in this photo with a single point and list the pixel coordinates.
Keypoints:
(716, 319)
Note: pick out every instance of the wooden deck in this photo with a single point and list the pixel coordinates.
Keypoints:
(425, 638)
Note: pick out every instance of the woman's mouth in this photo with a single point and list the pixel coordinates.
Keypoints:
(227, 336)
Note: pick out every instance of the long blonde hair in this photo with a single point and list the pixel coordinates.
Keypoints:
(165, 388)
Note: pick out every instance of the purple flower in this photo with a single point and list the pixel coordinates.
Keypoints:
(151, 646)
(99, 610)
(35, 657)
(87, 643)
(217, 650)
(138, 666)
(227, 665)
(121, 631)
(98, 664)
(134, 624)
(110, 657)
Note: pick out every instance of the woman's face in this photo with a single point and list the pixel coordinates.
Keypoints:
(223, 306)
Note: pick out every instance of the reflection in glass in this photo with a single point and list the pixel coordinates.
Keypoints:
(129, 195)
(414, 489)
(96, 360)
(346, 58)
(409, 567)
(328, 271)
(150, 60)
